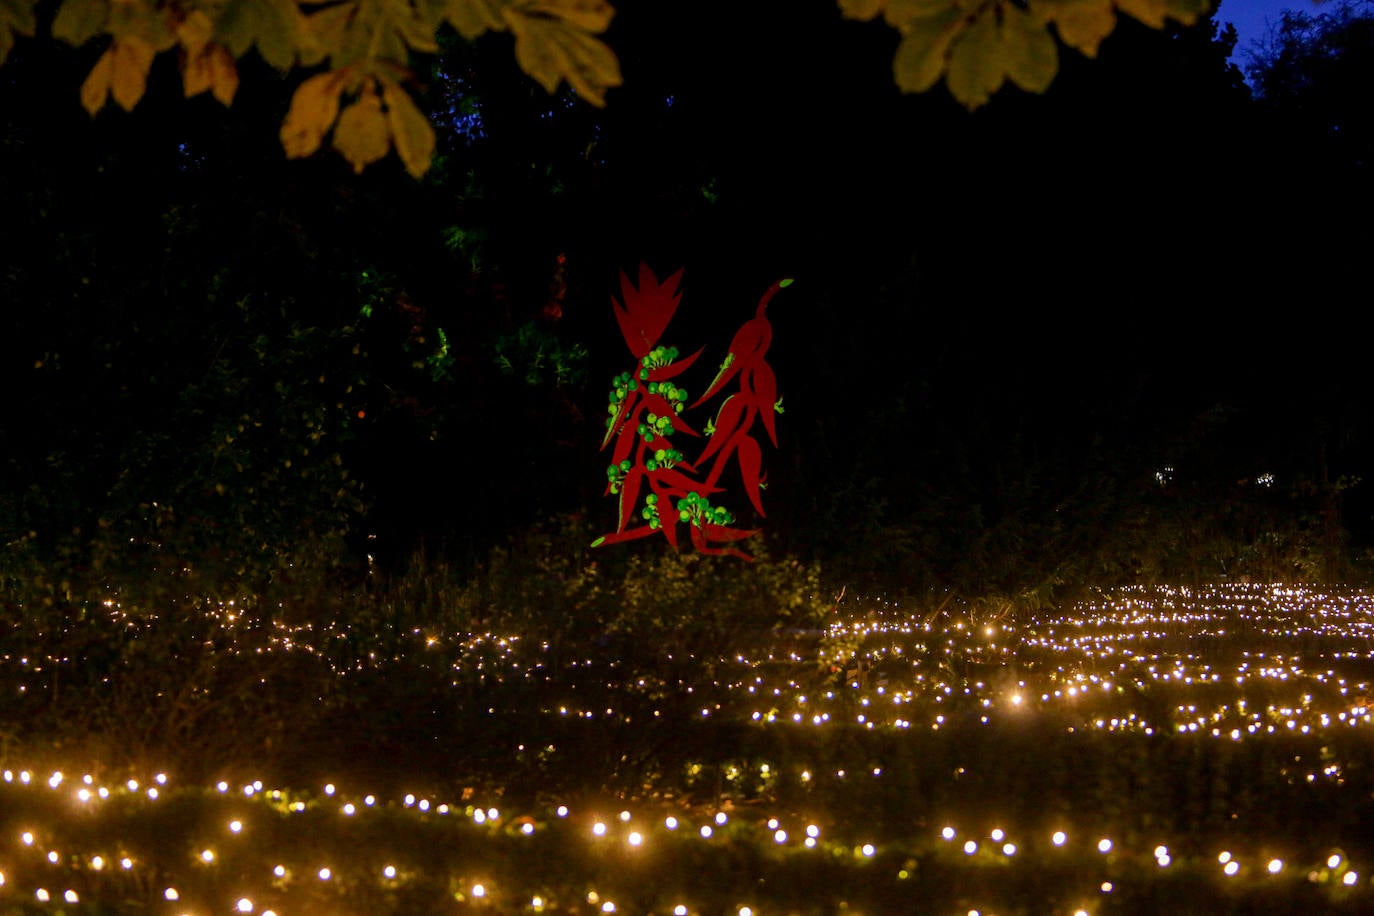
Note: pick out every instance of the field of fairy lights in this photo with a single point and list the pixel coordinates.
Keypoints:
(1163, 750)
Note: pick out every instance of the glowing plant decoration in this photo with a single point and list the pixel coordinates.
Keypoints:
(645, 411)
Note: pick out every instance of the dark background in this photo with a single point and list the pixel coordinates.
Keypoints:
(1054, 341)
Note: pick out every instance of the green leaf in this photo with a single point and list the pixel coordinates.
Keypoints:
(862, 9)
(78, 21)
(16, 18)
(1082, 24)
(362, 134)
(551, 50)
(411, 132)
(921, 57)
(473, 17)
(1028, 51)
(273, 26)
(975, 68)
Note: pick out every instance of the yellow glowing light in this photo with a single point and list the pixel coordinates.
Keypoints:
(479, 890)
(1334, 861)
(244, 905)
(71, 897)
(171, 894)
(1275, 866)
(1106, 887)
(42, 895)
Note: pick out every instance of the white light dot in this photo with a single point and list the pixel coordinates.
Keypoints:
(324, 874)
(705, 831)
(244, 905)
(71, 897)
(1104, 845)
(970, 847)
(389, 871)
(479, 890)
(1350, 879)
(1059, 838)
(598, 829)
(1275, 866)
(867, 849)
(207, 856)
(635, 838)
(171, 894)
(1334, 861)
(235, 826)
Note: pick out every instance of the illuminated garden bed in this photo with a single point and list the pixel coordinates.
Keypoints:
(1151, 751)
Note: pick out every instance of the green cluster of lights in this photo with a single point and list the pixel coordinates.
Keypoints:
(615, 473)
(663, 458)
(656, 358)
(655, 425)
(698, 510)
(670, 393)
(650, 511)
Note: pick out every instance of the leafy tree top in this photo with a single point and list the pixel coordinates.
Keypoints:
(359, 93)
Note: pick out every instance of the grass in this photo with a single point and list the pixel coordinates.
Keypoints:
(674, 735)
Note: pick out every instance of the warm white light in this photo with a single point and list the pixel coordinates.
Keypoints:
(634, 839)
(1104, 845)
(478, 890)
(171, 894)
(244, 905)
(1059, 838)
(1275, 866)
(1350, 879)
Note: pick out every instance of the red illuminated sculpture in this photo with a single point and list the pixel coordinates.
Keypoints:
(645, 412)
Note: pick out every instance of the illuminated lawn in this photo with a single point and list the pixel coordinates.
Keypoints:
(1170, 751)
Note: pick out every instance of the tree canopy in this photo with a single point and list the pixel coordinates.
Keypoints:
(360, 56)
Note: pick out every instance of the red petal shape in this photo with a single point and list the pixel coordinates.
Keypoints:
(729, 420)
(750, 462)
(765, 385)
(629, 495)
(646, 311)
